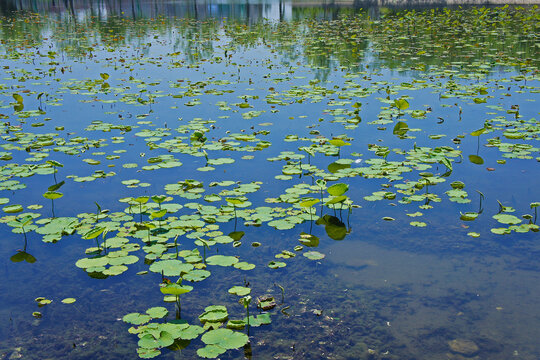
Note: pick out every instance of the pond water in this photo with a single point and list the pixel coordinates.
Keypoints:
(363, 181)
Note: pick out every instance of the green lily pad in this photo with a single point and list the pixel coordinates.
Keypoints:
(214, 313)
(136, 318)
(240, 290)
(507, 219)
(13, 209)
(338, 189)
(211, 351)
(175, 289)
(157, 312)
(196, 275)
(148, 353)
(225, 338)
(221, 260)
(314, 255)
(242, 265)
(276, 264)
(170, 267)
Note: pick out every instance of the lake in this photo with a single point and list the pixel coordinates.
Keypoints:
(268, 180)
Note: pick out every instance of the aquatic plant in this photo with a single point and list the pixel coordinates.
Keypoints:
(418, 123)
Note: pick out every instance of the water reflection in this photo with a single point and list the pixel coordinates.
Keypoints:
(248, 11)
(353, 42)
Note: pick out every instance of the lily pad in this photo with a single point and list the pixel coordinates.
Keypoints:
(225, 338)
(314, 255)
(240, 290)
(221, 260)
(170, 267)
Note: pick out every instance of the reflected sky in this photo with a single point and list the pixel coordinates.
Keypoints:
(250, 11)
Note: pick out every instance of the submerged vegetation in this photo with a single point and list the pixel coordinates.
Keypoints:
(182, 147)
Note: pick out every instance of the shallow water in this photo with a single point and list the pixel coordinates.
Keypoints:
(129, 90)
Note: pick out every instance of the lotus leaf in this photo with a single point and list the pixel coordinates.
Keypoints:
(507, 219)
(338, 189)
(211, 351)
(151, 341)
(136, 318)
(170, 267)
(240, 290)
(175, 289)
(244, 266)
(157, 312)
(115, 270)
(314, 255)
(196, 275)
(214, 313)
(256, 321)
(12, 209)
(401, 104)
(276, 264)
(225, 338)
(221, 260)
(224, 239)
(468, 216)
(475, 159)
(309, 240)
(236, 324)
(309, 202)
(93, 233)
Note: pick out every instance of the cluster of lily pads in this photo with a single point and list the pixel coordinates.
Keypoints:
(225, 115)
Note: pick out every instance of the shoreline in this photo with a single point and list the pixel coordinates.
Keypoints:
(399, 3)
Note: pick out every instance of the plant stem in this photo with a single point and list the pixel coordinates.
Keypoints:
(235, 218)
(247, 325)
(178, 308)
(282, 292)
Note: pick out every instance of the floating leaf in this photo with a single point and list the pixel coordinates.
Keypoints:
(221, 260)
(18, 98)
(214, 313)
(170, 267)
(507, 219)
(157, 312)
(276, 264)
(338, 189)
(136, 318)
(401, 104)
(52, 195)
(93, 233)
(309, 240)
(475, 159)
(175, 289)
(478, 132)
(225, 338)
(211, 351)
(12, 209)
(240, 290)
(309, 202)
(400, 128)
(314, 255)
